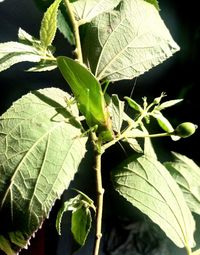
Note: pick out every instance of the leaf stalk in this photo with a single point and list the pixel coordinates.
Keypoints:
(131, 125)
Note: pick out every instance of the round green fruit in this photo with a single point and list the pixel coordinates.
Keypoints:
(185, 129)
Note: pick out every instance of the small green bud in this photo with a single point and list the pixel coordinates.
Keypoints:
(185, 129)
(158, 99)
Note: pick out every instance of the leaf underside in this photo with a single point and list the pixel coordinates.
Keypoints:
(86, 10)
(127, 41)
(147, 185)
(64, 27)
(116, 109)
(187, 174)
(40, 151)
(13, 52)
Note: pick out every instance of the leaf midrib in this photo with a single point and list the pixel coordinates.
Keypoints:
(184, 231)
(171, 209)
(100, 75)
(21, 162)
(91, 10)
(33, 116)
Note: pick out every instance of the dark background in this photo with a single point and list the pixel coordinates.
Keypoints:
(178, 76)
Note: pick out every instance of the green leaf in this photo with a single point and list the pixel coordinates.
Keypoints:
(81, 216)
(81, 224)
(133, 144)
(87, 91)
(131, 139)
(127, 42)
(70, 205)
(86, 10)
(155, 3)
(43, 66)
(162, 121)
(187, 174)
(116, 110)
(147, 184)
(164, 124)
(148, 147)
(13, 52)
(49, 24)
(64, 27)
(5, 246)
(85, 199)
(26, 38)
(168, 104)
(41, 147)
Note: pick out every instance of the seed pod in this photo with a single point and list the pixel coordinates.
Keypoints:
(185, 129)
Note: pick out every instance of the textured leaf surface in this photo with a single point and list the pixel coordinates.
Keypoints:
(81, 216)
(44, 66)
(69, 205)
(87, 91)
(86, 10)
(26, 38)
(40, 151)
(127, 42)
(116, 109)
(13, 52)
(49, 24)
(147, 184)
(187, 174)
(148, 146)
(133, 144)
(81, 224)
(64, 27)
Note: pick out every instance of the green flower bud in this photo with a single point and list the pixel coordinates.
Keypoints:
(185, 129)
(158, 99)
(133, 104)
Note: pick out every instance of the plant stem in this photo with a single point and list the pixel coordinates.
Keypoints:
(123, 135)
(75, 25)
(100, 192)
(188, 250)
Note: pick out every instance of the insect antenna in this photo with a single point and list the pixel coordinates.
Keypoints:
(132, 90)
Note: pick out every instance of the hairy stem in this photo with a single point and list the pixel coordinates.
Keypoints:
(75, 25)
(100, 192)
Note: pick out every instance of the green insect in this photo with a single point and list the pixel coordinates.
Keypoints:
(89, 95)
